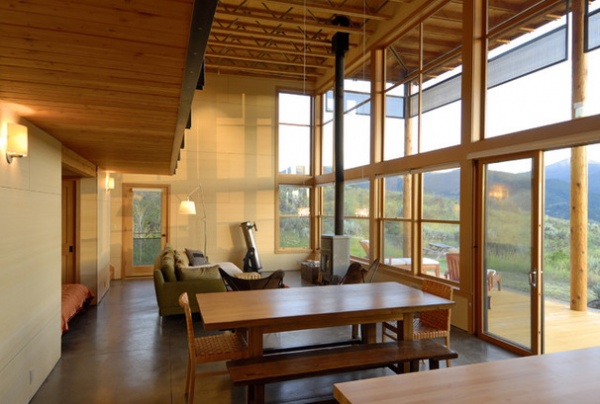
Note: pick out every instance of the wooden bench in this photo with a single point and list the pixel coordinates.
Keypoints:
(282, 367)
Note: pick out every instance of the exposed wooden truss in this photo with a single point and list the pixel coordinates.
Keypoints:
(108, 78)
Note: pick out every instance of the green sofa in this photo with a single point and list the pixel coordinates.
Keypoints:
(173, 276)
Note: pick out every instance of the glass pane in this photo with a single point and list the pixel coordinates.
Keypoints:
(294, 217)
(358, 230)
(294, 134)
(592, 102)
(441, 195)
(356, 215)
(294, 109)
(327, 148)
(439, 239)
(356, 199)
(529, 76)
(393, 141)
(357, 123)
(441, 109)
(397, 201)
(397, 244)
(294, 149)
(147, 225)
(507, 249)
(294, 232)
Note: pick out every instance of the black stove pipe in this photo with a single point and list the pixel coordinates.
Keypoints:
(339, 45)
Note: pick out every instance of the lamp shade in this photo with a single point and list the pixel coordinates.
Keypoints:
(187, 208)
(16, 140)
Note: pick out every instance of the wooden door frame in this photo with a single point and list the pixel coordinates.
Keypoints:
(127, 209)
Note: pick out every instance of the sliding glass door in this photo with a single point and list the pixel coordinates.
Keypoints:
(510, 242)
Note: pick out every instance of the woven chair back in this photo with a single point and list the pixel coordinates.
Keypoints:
(439, 319)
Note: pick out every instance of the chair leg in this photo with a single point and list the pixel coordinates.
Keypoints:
(192, 382)
(448, 346)
(187, 379)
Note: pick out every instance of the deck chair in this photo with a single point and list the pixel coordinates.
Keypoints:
(212, 348)
(273, 281)
(429, 324)
(453, 261)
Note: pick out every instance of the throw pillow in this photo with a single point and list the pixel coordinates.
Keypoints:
(196, 257)
(198, 272)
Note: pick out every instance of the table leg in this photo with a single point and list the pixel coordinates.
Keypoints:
(255, 394)
(407, 331)
(368, 333)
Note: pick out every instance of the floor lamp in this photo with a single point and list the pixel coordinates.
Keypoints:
(188, 207)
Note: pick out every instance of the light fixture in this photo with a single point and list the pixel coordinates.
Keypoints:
(110, 183)
(16, 141)
(188, 207)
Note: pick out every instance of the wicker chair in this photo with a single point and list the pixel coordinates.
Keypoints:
(273, 281)
(213, 348)
(429, 324)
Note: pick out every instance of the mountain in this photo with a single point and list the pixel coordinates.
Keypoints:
(562, 171)
(558, 178)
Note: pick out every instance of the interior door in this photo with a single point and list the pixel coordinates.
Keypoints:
(509, 263)
(145, 227)
(69, 215)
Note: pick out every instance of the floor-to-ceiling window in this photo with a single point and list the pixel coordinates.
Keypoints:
(294, 167)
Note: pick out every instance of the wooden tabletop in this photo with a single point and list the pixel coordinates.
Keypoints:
(288, 309)
(565, 377)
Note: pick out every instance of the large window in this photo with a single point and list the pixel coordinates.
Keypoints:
(294, 164)
(357, 125)
(440, 228)
(397, 221)
(528, 76)
(294, 133)
(294, 217)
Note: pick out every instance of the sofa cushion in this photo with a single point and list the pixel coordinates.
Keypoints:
(196, 257)
(167, 268)
(198, 272)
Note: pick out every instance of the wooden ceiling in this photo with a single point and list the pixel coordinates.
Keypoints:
(113, 80)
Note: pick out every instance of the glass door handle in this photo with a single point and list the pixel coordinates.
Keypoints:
(533, 279)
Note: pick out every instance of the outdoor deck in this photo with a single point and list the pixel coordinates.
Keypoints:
(565, 329)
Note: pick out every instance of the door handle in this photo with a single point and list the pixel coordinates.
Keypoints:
(533, 279)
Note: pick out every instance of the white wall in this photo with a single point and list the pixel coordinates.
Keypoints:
(230, 151)
(30, 265)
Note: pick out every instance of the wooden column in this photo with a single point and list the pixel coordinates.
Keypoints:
(407, 192)
(579, 175)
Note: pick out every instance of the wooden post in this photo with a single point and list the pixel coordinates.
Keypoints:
(579, 175)
(407, 192)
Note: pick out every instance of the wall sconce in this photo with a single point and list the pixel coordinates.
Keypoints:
(110, 183)
(16, 141)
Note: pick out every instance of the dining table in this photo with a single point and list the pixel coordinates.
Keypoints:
(260, 312)
(563, 377)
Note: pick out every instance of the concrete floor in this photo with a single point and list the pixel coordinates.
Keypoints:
(121, 351)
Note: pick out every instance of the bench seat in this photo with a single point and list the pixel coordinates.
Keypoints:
(282, 367)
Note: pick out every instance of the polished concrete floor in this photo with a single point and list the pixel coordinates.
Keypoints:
(121, 351)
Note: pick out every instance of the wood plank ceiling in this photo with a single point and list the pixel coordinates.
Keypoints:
(108, 78)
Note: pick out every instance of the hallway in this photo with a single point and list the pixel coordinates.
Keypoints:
(122, 352)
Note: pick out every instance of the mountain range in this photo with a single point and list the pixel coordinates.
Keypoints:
(558, 179)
